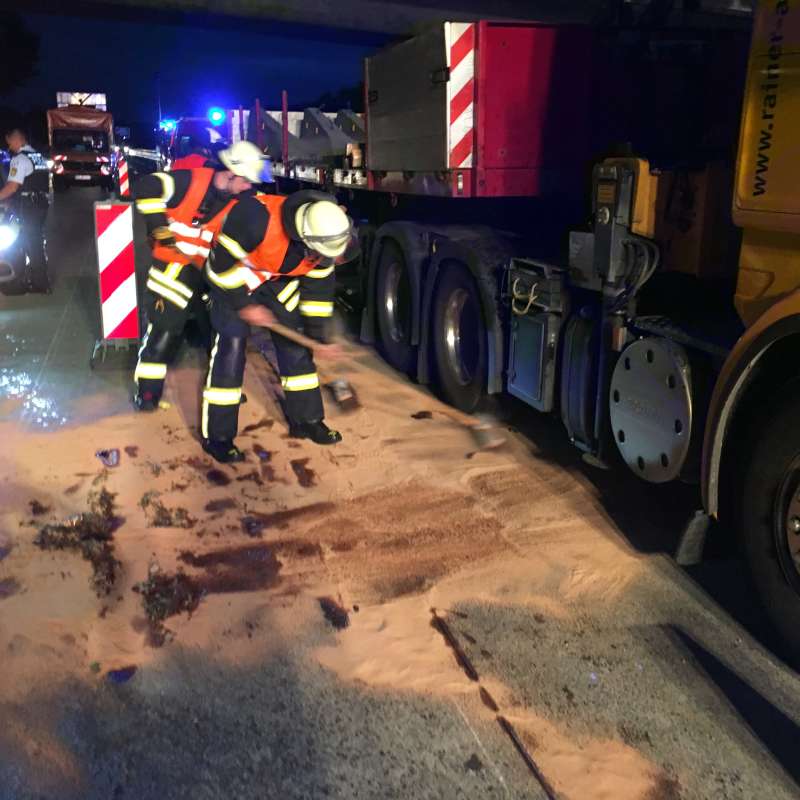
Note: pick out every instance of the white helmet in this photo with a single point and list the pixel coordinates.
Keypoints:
(323, 227)
(247, 161)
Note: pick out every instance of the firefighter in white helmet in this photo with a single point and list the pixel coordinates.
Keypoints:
(184, 211)
(273, 261)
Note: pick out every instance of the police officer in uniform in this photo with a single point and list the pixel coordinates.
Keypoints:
(27, 191)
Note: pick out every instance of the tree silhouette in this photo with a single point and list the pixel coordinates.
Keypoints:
(19, 52)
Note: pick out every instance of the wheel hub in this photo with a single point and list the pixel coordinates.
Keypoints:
(455, 330)
(651, 408)
(396, 303)
(787, 533)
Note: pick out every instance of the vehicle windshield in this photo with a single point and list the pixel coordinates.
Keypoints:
(80, 141)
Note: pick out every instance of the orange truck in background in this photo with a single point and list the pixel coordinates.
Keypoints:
(81, 141)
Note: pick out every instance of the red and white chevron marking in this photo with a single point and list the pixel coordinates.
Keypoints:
(117, 266)
(124, 181)
(460, 43)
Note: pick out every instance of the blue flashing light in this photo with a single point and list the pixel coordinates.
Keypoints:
(167, 125)
(216, 115)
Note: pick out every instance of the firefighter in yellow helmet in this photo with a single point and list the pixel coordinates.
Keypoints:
(273, 261)
(184, 211)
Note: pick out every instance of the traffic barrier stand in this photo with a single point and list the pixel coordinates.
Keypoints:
(119, 308)
(124, 181)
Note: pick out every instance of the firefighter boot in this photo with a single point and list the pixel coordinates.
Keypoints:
(223, 450)
(317, 431)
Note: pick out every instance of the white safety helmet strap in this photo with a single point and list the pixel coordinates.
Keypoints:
(330, 244)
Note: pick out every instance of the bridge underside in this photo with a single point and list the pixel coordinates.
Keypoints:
(399, 18)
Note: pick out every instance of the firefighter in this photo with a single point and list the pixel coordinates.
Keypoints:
(183, 212)
(27, 191)
(273, 261)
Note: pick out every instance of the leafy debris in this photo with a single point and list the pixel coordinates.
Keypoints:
(164, 596)
(38, 509)
(91, 534)
(159, 516)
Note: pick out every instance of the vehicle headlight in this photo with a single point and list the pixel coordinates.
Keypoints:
(50, 163)
(8, 235)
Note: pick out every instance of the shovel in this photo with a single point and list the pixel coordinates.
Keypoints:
(341, 390)
(484, 431)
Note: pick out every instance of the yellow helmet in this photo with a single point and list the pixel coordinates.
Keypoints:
(324, 227)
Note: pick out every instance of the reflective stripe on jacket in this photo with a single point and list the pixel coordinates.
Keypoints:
(192, 239)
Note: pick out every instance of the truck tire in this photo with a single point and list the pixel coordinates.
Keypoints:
(394, 306)
(770, 502)
(459, 339)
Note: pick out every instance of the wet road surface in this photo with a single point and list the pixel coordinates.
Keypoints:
(586, 654)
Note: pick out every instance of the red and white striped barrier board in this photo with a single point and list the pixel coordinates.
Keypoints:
(460, 43)
(124, 181)
(117, 270)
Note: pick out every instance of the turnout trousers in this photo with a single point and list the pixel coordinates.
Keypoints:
(223, 390)
(171, 290)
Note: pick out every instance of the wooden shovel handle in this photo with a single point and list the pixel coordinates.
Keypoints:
(295, 336)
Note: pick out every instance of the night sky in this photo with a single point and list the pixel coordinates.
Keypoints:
(200, 62)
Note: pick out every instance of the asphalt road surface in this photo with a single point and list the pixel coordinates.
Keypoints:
(568, 656)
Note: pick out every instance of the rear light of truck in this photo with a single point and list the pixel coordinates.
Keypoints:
(59, 158)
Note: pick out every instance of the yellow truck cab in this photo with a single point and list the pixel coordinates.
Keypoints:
(751, 458)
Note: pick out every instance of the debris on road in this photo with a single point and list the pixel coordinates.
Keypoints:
(217, 477)
(90, 533)
(122, 675)
(164, 596)
(223, 504)
(306, 477)
(265, 423)
(38, 509)
(109, 458)
(261, 453)
(8, 587)
(249, 568)
(422, 415)
(132, 451)
(159, 516)
(334, 613)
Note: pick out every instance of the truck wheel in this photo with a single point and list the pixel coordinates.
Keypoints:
(394, 309)
(459, 339)
(771, 518)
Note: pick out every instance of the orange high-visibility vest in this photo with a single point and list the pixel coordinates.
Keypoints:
(265, 261)
(192, 241)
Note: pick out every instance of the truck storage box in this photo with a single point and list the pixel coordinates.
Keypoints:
(509, 101)
(535, 290)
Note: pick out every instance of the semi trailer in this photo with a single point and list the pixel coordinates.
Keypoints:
(660, 322)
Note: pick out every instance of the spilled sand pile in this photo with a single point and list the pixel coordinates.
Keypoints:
(400, 517)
